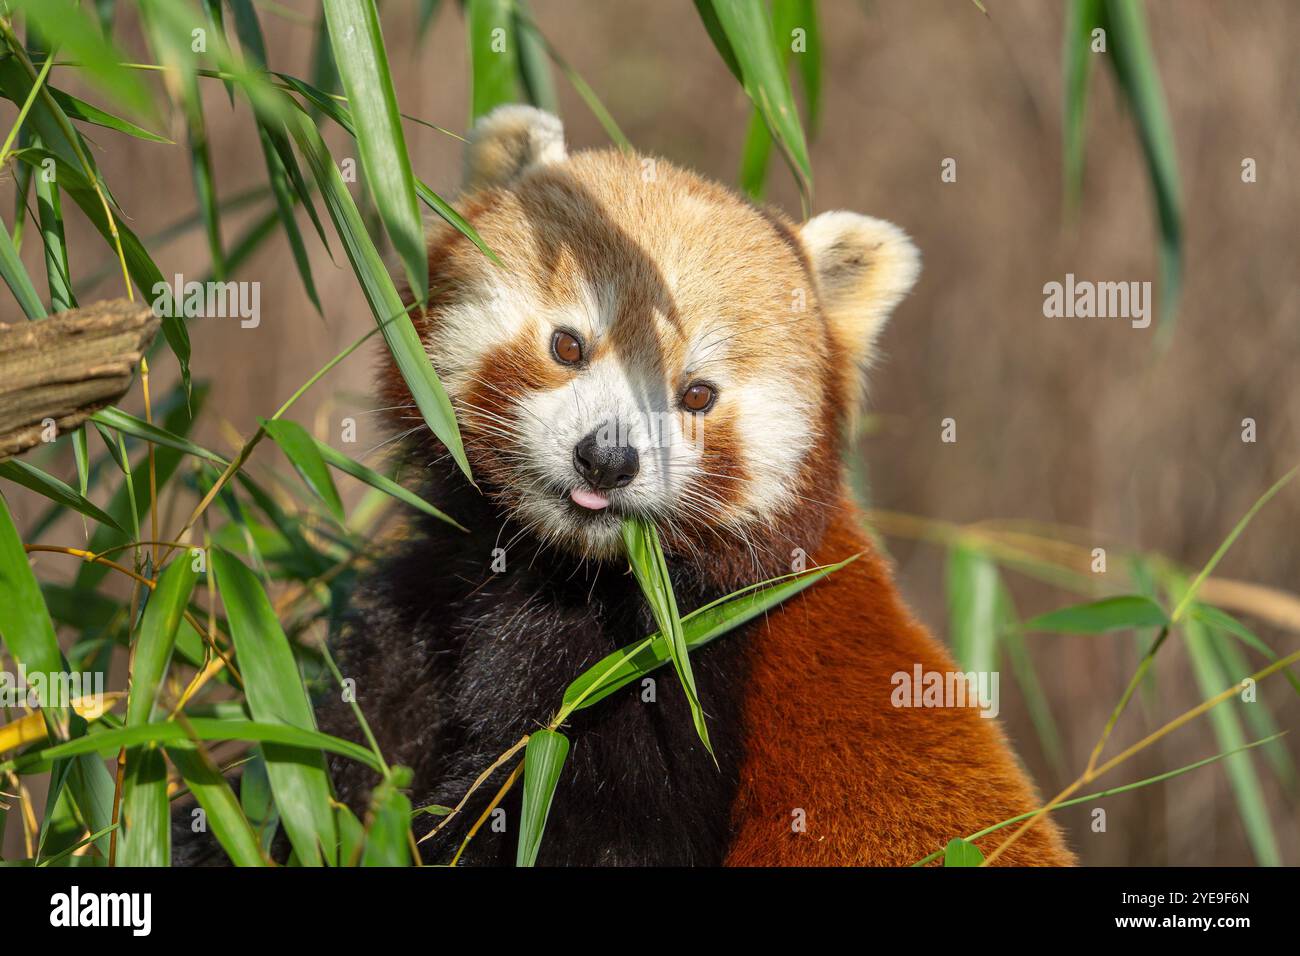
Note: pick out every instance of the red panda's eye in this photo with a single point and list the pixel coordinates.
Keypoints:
(566, 348)
(698, 398)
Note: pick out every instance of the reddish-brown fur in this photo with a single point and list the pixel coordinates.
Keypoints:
(878, 785)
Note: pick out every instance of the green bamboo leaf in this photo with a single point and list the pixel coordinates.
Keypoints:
(543, 760)
(385, 304)
(1082, 18)
(118, 420)
(168, 24)
(28, 634)
(224, 816)
(492, 55)
(107, 742)
(1022, 665)
(1261, 722)
(580, 86)
(285, 200)
(362, 62)
(146, 827)
(789, 16)
(534, 67)
(336, 111)
(1227, 543)
(49, 216)
(25, 625)
(428, 11)
(275, 694)
(15, 275)
(961, 853)
(1135, 68)
(352, 836)
(375, 480)
(972, 587)
(700, 627)
(63, 24)
(79, 109)
(256, 800)
(794, 24)
(1097, 617)
(29, 476)
(1223, 621)
(753, 48)
(145, 821)
(388, 835)
(123, 506)
(1228, 731)
(646, 556)
(157, 636)
(754, 156)
(301, 449)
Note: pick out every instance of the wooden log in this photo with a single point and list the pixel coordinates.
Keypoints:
(65, 368)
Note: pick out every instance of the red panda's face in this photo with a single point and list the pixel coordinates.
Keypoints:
(651, 345)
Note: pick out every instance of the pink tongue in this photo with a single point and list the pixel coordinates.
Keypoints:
(589, 499)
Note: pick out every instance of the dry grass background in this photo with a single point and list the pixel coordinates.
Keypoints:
(1077, 422)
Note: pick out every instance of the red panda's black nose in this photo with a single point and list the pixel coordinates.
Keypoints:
(606, 465)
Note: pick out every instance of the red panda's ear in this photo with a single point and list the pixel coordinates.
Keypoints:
(864, 267)
(509, 140)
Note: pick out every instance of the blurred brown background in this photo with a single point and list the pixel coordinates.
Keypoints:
(1082, 423)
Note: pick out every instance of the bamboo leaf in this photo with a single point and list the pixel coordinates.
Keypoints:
(127, 423)
(145, 821)
(1227, 730)
(375, 480)
(646, 556)
(700, 627)
(1082, 18)
(275, 694)
(492, 55)
(388, 836)
(229, 825)
(29, 476)
(108, 742)
(153, 644)
(358, 46)
(1227, 543)
(1098, 617)
(15, 275)
(65, 25)
(302, 450)
(534, 67)
(1135, 68)
(1221, 620)
(754, 53)
(961, 853)
(385, 304)
(543, 760)
(973, 585)
(25, 625)
(79, 109)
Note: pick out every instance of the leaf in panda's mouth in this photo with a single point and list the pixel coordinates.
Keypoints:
(646, 556)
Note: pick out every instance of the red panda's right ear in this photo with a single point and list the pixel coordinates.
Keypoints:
(509, 140)
(864, 267)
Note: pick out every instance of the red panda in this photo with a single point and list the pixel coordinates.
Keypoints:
(653, 345)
